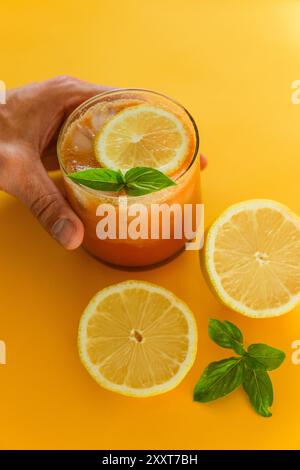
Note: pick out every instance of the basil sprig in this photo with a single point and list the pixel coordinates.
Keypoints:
(136, 181)
(249, 369)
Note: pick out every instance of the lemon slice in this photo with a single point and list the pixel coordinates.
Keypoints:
(137, 339)
(143, 135)
(252, 257)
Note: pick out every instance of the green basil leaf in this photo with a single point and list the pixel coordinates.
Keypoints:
(137, 181)
(259, 388)
(267, 357)
(102, 179)
(253, 363)
(226, 334)
(143, 180)
(219, 379)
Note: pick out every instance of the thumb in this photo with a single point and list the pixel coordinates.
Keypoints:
(49, 206)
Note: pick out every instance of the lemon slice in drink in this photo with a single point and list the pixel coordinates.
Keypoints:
(143, 135)
(137, 339)
(252, 257)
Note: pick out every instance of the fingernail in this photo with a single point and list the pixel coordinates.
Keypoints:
(63, 231)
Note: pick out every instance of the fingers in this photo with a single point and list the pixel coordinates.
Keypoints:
(203, 162)
(63, 94)
(72, 92)
(49, 157)
(48, 205)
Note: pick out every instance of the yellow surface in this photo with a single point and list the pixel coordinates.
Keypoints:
(232, 64)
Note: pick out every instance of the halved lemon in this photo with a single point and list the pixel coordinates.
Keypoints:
(137, 339)
(143, 135)
(252, 257)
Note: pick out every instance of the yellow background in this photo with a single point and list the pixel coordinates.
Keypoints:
(231, 63)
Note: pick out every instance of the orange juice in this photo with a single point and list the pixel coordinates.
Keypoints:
(77, 150)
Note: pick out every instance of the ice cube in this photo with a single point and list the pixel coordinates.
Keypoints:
(81, 142)
(99, 115)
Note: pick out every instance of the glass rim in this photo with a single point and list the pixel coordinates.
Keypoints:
(120, 90)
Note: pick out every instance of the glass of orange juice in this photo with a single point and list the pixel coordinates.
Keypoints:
(120, 130)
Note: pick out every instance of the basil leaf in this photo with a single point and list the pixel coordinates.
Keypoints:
(219, 379)
(226, 334)
(258, 386)
(143, 180)
(253, 363)
(137, 181)
(102, 179)
(266, 357)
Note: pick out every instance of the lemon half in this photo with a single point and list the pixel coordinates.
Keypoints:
(137, 339)
(252, 257)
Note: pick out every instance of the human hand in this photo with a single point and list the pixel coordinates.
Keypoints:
(29, 126)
